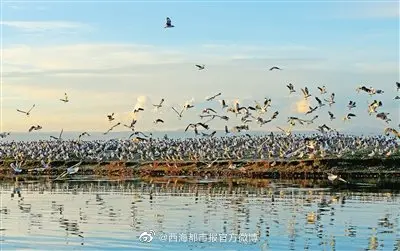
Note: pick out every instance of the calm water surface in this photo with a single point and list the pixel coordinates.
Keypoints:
(112, 216)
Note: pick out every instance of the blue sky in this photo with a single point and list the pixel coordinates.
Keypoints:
(118, 51)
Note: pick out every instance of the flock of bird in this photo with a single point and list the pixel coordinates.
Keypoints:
(208, 147)
(251, 113)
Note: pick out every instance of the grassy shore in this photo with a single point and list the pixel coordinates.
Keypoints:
(350, 168)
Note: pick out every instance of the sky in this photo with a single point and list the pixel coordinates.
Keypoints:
(108, 56)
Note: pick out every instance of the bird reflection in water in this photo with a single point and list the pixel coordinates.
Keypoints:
(71, 228)
(16, 189)
(284, 218)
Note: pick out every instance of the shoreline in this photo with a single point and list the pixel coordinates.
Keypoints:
(254, 169)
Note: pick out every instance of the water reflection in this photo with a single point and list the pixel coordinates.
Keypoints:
(111, 215)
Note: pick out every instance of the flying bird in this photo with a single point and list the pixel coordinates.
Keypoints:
(305, 93)
(322, 89)
(274, 115)
(331, 99)
(286, 131)
(168, 23)
(391, 130)
(110, 117)
(160, 104)
(83, 134)
(213, 97)
(226, 130)
(36, 128)
(323, 128)
(351, 104)
(320, 104)
(179, 113)
(137, 133)
(59, 137)
(208, 110)
(383, 116)
(331, 116)
(275, 68)
(70, 170)
(65, 99)
(223, 104)
(28, 112)
(349, 116)
(158, 121)
(132, 125)
(138, 110)
(194, 126)
(109, 130)
(200, 67)
(291, 88)
(311, 109)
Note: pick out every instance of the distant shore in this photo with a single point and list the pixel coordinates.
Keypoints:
(347, 168)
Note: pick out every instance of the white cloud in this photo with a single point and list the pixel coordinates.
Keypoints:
(373, 10)
(43, 25)
(83, 57)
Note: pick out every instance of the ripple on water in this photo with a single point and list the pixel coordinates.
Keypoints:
(111, 217)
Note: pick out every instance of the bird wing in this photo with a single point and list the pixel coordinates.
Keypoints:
(168, 21)
(188, 127)
(31, 108)
(203, 125)
(280, 129)
(18, 110)
(173, 108)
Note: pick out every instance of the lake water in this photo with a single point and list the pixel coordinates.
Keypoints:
(99, 215)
